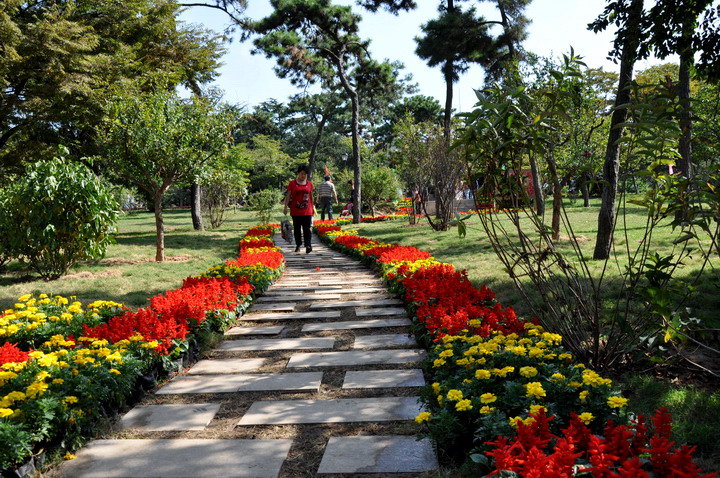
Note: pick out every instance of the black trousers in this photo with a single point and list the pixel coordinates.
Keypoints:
(301, 227)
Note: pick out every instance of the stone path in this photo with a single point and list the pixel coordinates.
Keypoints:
(320, 378)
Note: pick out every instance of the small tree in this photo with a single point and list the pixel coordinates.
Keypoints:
(57, 214)
(152, 142)
(223, 182)
(265, 203)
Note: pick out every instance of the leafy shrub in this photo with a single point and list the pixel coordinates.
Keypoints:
(59, 213)
(265, 203)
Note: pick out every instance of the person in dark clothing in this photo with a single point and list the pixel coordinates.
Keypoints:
(299, 198)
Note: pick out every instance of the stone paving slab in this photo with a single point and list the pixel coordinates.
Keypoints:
(355, 357)
(232, 365)
(356, 290)
(378, 454)
(384, 341)
(346, 281)
(299, 298)
(380, 311)
(383, 379)
(300, 343)
(288, 289)
(154, 418)
(252, 382)
(288, 306)
(329, 314)
(260, 330)
(355, 303)
(338, 410)
(357, 324)
(178, 458)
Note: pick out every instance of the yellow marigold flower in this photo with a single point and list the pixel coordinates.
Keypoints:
(575, 384)
(454, 395)
(586, 417)
(535, 389)
(7, 375)
(5, 412)
(58, 381)
(535, 352)
(529, 421)
(514, 421)
(482, 374)
(535, 409)
(488, 398)
(486, 409)
(617, 402)
(440, 399)
(528, 371)
(153, 344)
(35, 389)
(446, 353)
(474, 323)
(519, 350)
(583, 396)
(565, 356)
(579, 365)
(503, 372)
(438, 363)
(557, 376)
(70, 399)
(422, 417)
(69, 456)
(462, 362)
(15, 396)
(463, 405)
(436, 388)
(114, 371)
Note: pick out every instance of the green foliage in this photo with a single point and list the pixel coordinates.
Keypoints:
(265, 203)
(15, 443)
(57, 214)
(62, 59)
(151, 142)
(271, 167)
(224, 180)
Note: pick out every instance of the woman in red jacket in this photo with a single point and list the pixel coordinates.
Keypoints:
(299, 199)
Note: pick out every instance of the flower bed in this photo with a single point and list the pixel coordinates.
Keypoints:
(65, 367)
(503, 387)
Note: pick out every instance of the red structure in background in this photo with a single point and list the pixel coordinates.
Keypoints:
(494, 200)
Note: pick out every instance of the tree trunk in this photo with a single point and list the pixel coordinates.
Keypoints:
(159, 229)
(355, 125)
(539, 197)
(611, 167)
(684, 163)
(585, 192)
(506, 30)
(316, 143)
(195, 209)
(448, 69)
(357, 167)
(557, 195)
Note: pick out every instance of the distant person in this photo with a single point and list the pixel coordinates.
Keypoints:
(326, 193)
(353, 196)
(299, 199)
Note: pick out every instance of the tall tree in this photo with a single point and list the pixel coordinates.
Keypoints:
(628, 15)
(317, 40)
(675, 29)
(156, 140)
(61, 59)
(453, 41)
(509, 43)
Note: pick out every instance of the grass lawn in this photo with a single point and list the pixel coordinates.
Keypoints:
(475, 254)
(128, 273)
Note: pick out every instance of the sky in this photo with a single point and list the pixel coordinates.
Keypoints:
(556, 25)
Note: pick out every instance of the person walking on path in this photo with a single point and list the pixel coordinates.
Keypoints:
(326, 194)
(299, 199)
